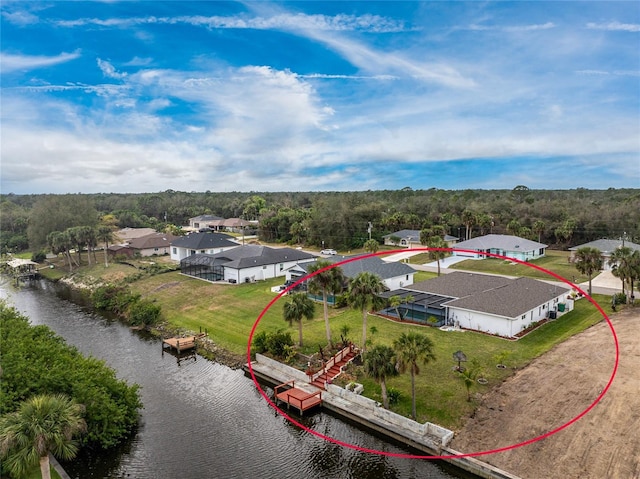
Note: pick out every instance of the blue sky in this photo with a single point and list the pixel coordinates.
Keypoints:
(315, 96)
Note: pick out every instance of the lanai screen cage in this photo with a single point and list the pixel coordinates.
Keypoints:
(202, 266)
(417, 306)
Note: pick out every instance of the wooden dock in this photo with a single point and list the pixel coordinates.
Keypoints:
(183, 344)
(297, 398)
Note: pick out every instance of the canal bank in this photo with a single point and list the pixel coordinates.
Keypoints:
(429, 438)
(202, 419)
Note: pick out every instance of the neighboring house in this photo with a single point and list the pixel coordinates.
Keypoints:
(491, 304)
(606, 247)
(151, 244)
(244, 264)
(411, 239)
(394, 275)
(202, 221)
(201, 242)
(504, 245)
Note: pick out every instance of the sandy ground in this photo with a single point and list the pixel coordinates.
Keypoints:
(554, 389)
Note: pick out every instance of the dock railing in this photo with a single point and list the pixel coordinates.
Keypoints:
(340, 355)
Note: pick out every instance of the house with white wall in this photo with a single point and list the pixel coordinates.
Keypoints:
(202, 243)
(606, 247)
(244, 264)
(504, 245)
(411, 239)
(491, 304)
(393, 274)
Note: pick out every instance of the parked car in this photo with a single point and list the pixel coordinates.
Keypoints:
(328, 251)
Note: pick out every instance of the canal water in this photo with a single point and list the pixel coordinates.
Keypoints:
(202, 419)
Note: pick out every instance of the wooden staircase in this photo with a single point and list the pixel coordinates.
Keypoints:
(333, 368)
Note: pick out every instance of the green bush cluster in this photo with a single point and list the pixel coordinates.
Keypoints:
(36, 361)
(120, 300)
(279, 343)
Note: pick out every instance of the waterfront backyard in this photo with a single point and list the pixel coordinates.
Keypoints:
(228, 313)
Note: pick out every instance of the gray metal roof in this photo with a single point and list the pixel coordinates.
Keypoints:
(501, 242)
(204, 240)
(607, 246)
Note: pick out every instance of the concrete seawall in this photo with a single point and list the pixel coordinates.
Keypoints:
(428, 438)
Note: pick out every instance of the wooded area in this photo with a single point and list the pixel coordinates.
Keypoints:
(339, 220)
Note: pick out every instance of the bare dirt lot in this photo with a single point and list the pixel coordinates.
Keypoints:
(555, 388)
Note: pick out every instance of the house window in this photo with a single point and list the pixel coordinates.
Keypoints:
(524, 316)
(202, 251)
(193, 251)
(155, 249)
(406, 277)
(175, 250)
(281, 266)
(264, 267)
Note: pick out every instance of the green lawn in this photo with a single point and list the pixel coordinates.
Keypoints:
(228, 312)
(554, 261)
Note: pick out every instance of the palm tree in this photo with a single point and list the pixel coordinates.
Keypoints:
(469, 376)
(514, 227)
(300, 306)
(371, 246)
(105, 234)
(328, 281)
(634, 265)
(411, 349)
(469, 218)
(438, 253)
(620, 261)
(538, 228)
(363, 293)
(380, 364)
(43, 425)
(588, 260)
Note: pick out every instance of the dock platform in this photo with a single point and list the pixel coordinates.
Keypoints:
(298, 398)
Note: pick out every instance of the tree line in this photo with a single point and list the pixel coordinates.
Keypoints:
(339, 220)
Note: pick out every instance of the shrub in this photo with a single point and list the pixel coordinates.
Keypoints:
(116, 299)
(36, 361)
(144, 312)
(279, 344)
(394, 395)
(39, 257)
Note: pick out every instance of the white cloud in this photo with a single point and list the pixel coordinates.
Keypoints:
(11, 62)
(615, 26)
(109, 70)
(512, 28)
(21, 18)
(341, 22)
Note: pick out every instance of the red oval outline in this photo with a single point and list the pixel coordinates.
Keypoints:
(418, 456)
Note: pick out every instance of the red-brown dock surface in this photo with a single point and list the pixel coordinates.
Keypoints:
(297, 398)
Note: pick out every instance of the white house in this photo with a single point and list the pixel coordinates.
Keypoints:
(504, 245)
(244, 264)
(411, 239)
(606, 247)
(491, 304)
(203, 243)
(394, 275)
